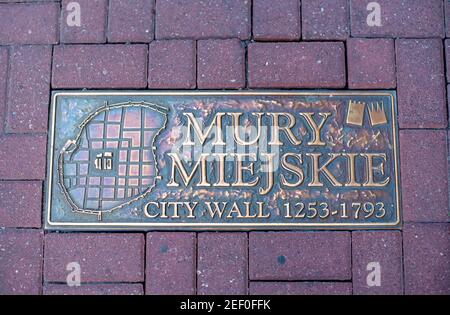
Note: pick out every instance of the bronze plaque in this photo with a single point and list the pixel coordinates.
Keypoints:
(217, 160)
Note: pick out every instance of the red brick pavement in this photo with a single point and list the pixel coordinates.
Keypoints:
(183, 44)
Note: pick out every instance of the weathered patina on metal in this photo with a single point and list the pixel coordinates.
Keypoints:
(222, 160)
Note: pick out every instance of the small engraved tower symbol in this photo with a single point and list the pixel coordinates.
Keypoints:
(355, 113)
(377, 114)
(103, 161)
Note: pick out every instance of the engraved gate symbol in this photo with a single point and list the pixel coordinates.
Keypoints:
(111, 163)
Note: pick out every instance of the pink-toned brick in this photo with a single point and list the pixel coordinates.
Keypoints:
(20, 261)
(28, 89)
(296, 65)
(20, 204)
(276, 20)
(421, 83)
(95, 289)
(324, 19)
(222, 263)
(3, 84)
(427, 256)
(130, 21)
(399, 18)
(371, 63)
(100, 66)
(29, 23)
(300, 288)
(171, 263)
(300, 256)
(92, 21)
(221, 64)
(22, 156)
(203, 19)
(424, 177)
(172, 64)
(383, 248)
(102, 257)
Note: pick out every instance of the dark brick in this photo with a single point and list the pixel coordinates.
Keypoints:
(276, 20)
(300, 288)
(172, 64)
(20, 204)
(24, 161)
(20, 261)
(95, 289)
(92, 22)
(222, 263)
(34, 23)
(100, 66)
(3, 83)
(427, 256)
(421, 83)
(221, 64)
(371, 63)
(296, 65)
(399, 18)
(131, 21)
(171, 263)
(300, 256)
(424, 179)
(102, 257)
(202, 19)
(324, 19)
(385, 248)
(28, 89)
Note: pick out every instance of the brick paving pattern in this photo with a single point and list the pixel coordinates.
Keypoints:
(219, 44)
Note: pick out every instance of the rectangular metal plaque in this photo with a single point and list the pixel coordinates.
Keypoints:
(222, 160)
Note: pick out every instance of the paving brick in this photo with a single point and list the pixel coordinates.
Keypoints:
(222, 263)
(324, 19)
(424, 177)
(20, 261)
(28, 89)
(29, 23)
(20, 204)
(371, 63)
(384, 248)
(448, 100)
(447, 58)
(95, 289)
(172, 64)
(300, 288)
(203, 19)
(276, 20)
(6, 1)
(427, 256)
(92, 27)
(100, 66)
(447, 17)
(221, 64)
(3, 83)
(171, 263)
(399, 18)
(300, 256)
(296, 65)
(24, 161)
(102, 257)
(130, 21)
(421, 83)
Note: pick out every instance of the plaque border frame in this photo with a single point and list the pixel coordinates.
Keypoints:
(217, 226)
